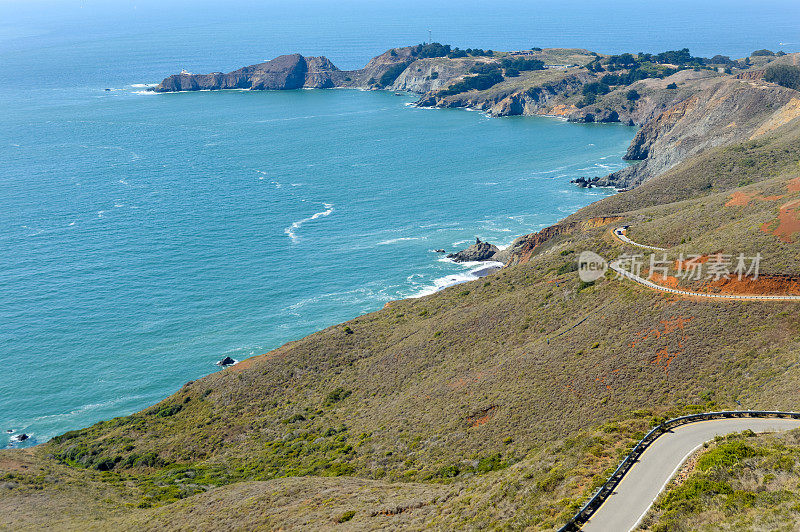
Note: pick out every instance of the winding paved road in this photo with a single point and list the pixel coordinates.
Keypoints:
(620, 234)
(660, 462)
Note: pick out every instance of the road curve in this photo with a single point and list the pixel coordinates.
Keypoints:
(636, 492)
(620, 234)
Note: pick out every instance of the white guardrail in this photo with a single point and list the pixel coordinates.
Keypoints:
(620, 233)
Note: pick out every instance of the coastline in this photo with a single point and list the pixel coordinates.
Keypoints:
(436, 278)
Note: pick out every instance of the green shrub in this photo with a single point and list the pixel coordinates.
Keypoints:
(687, 496)
(339, 394)
(725, 455)
(477, 82)
(104, 464)
(595, 88)
(567, 267)
(294, 419)
(345, 517)
(67, 436)
(522, 64)
(784, 75)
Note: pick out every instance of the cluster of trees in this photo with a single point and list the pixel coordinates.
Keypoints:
(436, 49)
(485, 68)
(785, 75)
(469, 52)
(767, 53)
(479, 82)
(680, 58)
(633, 75)
(514, 65)
(598, 88)
(433, 49)
(508, 67)
(591, 91)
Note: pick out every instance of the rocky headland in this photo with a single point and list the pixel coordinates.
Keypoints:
(684, 105)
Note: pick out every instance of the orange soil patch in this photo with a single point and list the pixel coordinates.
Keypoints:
(481, 417)
(743, 199)
(664, 356)
(561, 110)
(669, 280)
(794, 184)
(740, 199)
(602, 379)
(787, 223)
(765, 284)
(682, 265)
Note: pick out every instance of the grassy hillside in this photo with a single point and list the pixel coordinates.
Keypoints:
(498, 403)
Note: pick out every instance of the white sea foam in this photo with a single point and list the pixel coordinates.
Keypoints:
(84, 408)
(482, 270)
(396, 240)
(291, 231)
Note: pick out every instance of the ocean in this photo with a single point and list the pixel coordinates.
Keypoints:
(146, 236)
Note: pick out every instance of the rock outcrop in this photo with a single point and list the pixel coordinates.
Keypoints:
(295, 72)
(521, 250)
(479, 251)
(730, 110)
(284, 72)
(225, 362)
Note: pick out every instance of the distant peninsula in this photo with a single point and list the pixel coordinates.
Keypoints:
(669, 94)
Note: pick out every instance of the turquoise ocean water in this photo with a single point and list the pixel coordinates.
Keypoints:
(144, 237)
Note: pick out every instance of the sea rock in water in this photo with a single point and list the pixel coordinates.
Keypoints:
(20, 437)
(476, 252)
(225, 362)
